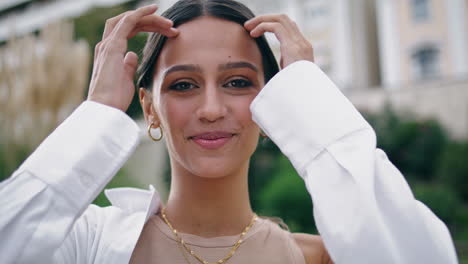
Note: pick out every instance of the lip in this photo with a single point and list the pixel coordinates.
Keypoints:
(212, 140)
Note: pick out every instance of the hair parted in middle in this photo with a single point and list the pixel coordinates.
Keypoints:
(186, 10)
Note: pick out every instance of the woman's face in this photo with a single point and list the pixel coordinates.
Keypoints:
(204, 83)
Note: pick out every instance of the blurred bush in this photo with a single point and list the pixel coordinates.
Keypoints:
(413, 146)
(453, 168)
(444, 202)
(121, 179)
(10, 158)
(263, 166)
(286, 196)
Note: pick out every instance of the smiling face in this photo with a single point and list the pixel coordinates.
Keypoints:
(204, 83)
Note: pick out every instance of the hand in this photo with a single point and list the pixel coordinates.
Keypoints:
(293, 45)
(114, 67)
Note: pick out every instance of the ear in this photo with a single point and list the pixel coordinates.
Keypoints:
(146, 102)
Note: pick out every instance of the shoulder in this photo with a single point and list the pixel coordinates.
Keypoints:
(313, 248)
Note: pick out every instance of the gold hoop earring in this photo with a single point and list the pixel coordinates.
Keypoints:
(160, 132)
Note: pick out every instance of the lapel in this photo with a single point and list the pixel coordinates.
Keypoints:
(134, 200)
(136, 203)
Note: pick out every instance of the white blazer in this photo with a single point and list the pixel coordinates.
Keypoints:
(363, 207)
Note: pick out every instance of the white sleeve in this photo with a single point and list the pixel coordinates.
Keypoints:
(50, 190)
(363, 207)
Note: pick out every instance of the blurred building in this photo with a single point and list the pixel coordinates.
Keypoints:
(23, 16)
(422, 40)
(342, 32)
(411, 54)
(424, 62)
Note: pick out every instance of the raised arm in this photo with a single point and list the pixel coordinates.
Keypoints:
(363, 207)
(51, 189)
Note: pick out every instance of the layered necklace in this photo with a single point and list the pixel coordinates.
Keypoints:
(200, 259)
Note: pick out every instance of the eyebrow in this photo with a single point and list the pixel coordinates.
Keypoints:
(238, 64)
(221, 67)
(183, 67)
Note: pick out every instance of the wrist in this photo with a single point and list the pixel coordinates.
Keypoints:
(107, 102)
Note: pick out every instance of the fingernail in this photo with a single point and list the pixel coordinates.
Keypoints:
(175, 31)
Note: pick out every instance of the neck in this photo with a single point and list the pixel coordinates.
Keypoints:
(209, 207)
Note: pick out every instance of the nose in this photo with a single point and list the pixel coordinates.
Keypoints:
(212, 106)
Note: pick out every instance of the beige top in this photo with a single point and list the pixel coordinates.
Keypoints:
(265, 242)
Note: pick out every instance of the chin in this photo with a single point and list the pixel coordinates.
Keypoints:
(215, 168)
(212, 164)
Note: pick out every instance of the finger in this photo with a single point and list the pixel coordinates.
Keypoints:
(97, 49)
(170, 33)
(153, 23)
(280, 18)
(155, 20)
(272, 27)
(126, 25)
(131, 63)
(110, 24)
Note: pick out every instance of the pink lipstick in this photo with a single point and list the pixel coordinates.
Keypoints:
(212, 140)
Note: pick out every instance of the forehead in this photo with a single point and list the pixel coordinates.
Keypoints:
(209, 41)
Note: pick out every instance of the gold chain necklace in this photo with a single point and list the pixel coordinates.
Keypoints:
(201, 260)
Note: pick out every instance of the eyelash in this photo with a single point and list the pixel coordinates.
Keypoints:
(174, 86)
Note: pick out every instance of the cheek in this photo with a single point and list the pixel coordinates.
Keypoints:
(242, 112)
(251, 131)
(175, 115)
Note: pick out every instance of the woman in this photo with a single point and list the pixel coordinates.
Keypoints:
(203, 85)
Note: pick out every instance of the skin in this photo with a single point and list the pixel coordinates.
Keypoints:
(209, 98)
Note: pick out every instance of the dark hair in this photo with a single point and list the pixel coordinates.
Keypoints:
(186, 10)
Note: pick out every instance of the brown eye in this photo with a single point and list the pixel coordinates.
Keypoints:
(181, 86)
(238, 83)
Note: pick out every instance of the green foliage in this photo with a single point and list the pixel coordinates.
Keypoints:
(286, 196)
(413, 146)
(453, 168)
(10, 160)
(442, 201)
(263, 165)
(121, 179)
(459, 230)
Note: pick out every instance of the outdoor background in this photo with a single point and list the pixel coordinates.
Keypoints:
(403, 63)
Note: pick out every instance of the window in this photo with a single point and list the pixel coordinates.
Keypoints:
(420, 10)
(316, 13)
(426, 62)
